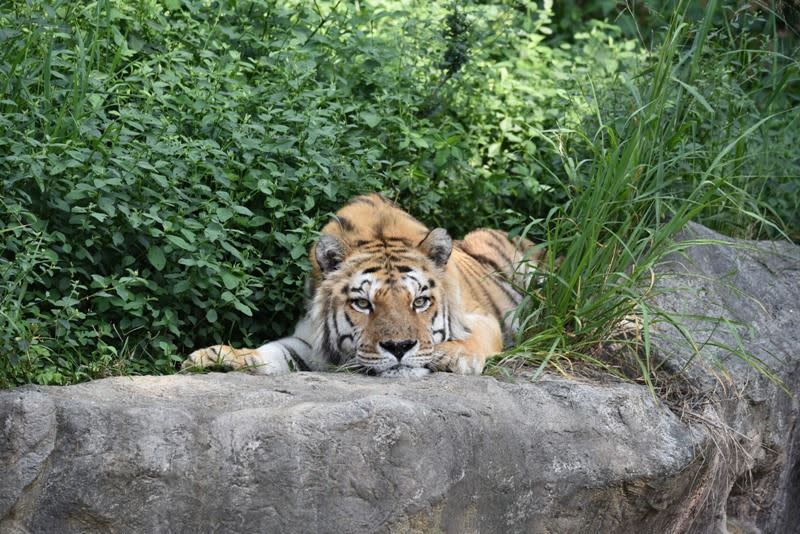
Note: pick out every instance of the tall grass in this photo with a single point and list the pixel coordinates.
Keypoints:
(603, 244)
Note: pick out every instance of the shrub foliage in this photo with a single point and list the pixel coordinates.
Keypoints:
(166, 163)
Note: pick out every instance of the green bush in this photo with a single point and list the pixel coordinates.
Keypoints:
(166, 164)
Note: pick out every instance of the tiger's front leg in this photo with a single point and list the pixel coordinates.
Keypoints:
(220, 355)
(468, 356)
(282, 356)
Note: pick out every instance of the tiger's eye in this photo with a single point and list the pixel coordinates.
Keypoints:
(420, 302)
(361, 303)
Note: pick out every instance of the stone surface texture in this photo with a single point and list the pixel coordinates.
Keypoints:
(346, 453)
(741, 299)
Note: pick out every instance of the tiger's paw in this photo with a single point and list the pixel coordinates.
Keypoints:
(467, 365)
(219, 356)
(456, 360)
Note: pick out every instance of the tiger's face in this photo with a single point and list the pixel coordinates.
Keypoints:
(383, 309)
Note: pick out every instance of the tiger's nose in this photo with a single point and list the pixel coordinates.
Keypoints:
(398, 348)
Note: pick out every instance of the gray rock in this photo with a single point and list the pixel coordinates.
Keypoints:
(346, 453)
(749, 295)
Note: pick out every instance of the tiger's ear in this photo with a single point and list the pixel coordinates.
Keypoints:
(437, 245)
(330, 252)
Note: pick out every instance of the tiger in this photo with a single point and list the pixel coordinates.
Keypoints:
(391, 297)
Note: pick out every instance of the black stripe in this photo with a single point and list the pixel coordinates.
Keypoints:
(414, 279)
(404, 268)
(370, 270)
(301, 364)
(495, 309)
(499, 244)
(484, 260)
(515, 296)
(385, 200)
(377, 231)
(344, 222)
(500, 236)
(405, 254)
(326, 333)
(335, 322)
(301, 340)
(331, 352)
(363, 200)
(512, 294)
(500, 309)
(502, 253)
(339, 336)
(347, 318)
(437, 332)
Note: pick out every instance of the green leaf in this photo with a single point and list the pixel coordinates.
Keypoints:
(241, 210)
(298, 251)
(223, 214)
(180, 242)
(229, 279)
(211, 315)
(214, 231)
(230, 248)
(242, 308)
(371, 119)
(156, 258)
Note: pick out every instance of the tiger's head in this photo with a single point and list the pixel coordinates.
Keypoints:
(383, 304)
